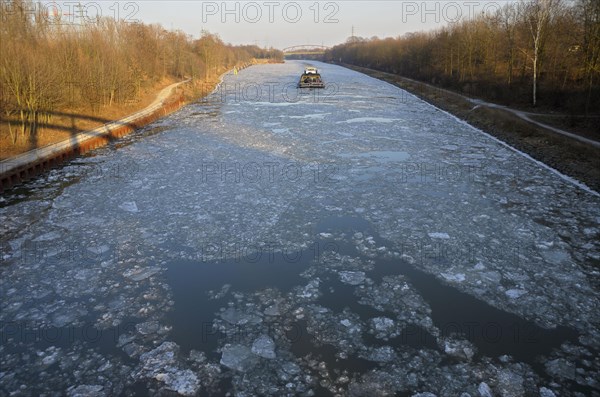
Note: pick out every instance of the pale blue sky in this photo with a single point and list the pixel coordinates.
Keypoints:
(286, 23)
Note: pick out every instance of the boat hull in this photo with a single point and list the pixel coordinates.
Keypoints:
(311, 85)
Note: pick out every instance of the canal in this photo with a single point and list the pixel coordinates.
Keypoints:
(267, 240)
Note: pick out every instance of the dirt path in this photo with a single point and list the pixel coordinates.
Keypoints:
(165, 93)
(525, 116)
(21, 161)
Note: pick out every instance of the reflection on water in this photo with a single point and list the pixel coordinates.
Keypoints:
(493, 332)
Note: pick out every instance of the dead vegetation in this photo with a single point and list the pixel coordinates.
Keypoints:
(59, 78)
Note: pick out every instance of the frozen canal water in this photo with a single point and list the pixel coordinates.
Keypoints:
(351, 241)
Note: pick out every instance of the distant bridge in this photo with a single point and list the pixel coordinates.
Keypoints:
(306, 49)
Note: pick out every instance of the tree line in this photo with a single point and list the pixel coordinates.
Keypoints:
(537, 52)
(47, 66)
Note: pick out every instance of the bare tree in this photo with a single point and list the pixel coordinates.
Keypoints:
(538, 15)
(589, 12)
(507, 16)
(547, 46)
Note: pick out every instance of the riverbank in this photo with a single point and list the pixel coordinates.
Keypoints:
(577, 159)
(69, 120)
(23, 166)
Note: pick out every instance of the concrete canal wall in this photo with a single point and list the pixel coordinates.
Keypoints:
(34, 162)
